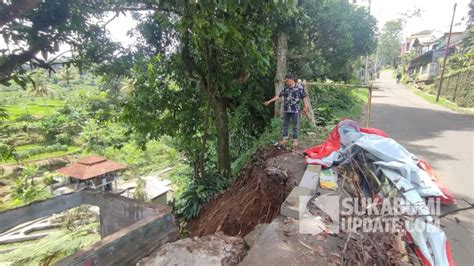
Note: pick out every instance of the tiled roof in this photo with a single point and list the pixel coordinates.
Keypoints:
(92, 159)
(423, 32)
(90, 167)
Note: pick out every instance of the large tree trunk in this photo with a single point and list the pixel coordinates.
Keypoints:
(282, 57)
(222, 126)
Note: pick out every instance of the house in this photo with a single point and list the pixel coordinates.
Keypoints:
(92, 171)
(420, 42)
(425, 65)
(156, 189)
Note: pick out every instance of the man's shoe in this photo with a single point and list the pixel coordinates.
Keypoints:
(295, 142)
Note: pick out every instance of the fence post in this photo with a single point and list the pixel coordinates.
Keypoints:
(369, 107)
(310, 115)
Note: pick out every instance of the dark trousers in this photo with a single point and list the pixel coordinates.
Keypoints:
(295, 117)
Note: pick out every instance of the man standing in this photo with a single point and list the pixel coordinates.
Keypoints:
(292, 95)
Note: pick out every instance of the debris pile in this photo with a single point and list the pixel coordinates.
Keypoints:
(255, 197)
(376, 249)
(373, 247)
(391, 188)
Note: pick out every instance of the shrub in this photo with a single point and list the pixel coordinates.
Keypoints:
(27, 192)
(6, 151)
(330, 104)
(48, 179)
(64, 139)
(139, 193)
(198, 192)
(25, 118)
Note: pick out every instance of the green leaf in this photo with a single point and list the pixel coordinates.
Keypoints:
(222, 27)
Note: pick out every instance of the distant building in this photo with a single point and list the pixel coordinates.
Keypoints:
(420, 42)
(425, 65)
(156, 189)
(92, 171)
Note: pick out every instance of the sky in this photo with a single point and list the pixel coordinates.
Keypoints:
(435, 15)
(119, 28)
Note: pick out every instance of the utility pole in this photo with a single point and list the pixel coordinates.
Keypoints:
(446, 54)
(376, 59)
(366, 74)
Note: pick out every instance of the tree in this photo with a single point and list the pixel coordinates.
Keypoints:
(3, 114)
(68, 73)
(6, 151)
(198, 65)
(220, 47)
(26, 191)
(222, 50)
(390, 42)
(159, 106)
(139, 193)
(126, 86)
(285, 20)
(39, 84)
(339, 33)
(322, 40)
(32, 27)
(468, 40)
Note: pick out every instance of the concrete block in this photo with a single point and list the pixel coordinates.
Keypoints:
(310, 177)
(314, 168)
(295, 204)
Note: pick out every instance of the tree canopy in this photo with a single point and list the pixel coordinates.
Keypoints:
(390, 42)
(200, 69)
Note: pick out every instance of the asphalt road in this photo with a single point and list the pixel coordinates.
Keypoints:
(445, 139)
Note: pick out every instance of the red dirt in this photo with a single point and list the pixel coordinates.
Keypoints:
(255, 197)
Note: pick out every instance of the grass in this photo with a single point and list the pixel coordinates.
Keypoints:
(28, 147)
(70, 150)
(362, 97)
(36, 107)
(442, 101)
(18, 103)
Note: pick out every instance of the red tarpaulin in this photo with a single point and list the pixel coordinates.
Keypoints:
(333, 142)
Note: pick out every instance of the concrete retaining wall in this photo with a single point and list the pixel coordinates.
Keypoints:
(130, 229)
(35, 210)
(117, 212)
(127, 246)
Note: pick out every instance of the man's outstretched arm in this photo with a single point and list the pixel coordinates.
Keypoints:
(271, 100)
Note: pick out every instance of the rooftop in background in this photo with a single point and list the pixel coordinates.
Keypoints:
(154, 187)
(435, 15)
(92, 159)
(423, 32)
(90, 167)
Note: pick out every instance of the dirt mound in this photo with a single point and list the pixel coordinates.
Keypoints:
(254, 198)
